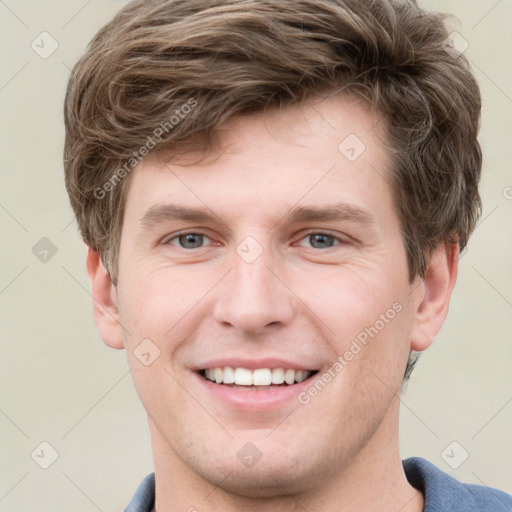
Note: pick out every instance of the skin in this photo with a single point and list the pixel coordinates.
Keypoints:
(297, 300)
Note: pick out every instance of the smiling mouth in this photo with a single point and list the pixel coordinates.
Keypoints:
(258, 379)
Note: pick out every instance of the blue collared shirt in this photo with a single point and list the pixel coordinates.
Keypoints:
(441, 491)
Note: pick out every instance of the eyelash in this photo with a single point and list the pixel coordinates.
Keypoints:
(341, 241)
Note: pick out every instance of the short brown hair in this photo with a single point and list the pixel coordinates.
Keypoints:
(232, 57)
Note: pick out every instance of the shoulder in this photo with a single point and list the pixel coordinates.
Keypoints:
(144, 498)
(444, 493)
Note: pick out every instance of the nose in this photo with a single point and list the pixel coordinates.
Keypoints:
(254, 297)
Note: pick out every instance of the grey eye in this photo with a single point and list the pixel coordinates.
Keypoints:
(191, 240)
(321, 241)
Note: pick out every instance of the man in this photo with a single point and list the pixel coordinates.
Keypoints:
(274, 196)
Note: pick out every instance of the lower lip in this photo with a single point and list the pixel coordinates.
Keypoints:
(253, 400)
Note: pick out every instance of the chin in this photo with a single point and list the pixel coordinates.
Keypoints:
(266, 479)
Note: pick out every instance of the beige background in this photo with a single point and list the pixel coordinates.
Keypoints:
(61, 385)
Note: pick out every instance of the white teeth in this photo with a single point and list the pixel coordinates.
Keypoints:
(262, 377)
(229, 375)
(289, 376)
(259, 377)
(243, 377)
(301, 375)
(277, 376)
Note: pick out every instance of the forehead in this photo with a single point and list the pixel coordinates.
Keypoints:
(315, 151)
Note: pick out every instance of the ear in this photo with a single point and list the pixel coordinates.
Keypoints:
(104, 298)
(437, 288)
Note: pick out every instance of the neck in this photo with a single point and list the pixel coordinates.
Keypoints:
(374, 480)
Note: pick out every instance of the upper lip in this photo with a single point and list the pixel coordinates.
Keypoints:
(254, 364)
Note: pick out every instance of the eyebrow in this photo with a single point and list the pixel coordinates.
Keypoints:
(338, 211)
(158, 214)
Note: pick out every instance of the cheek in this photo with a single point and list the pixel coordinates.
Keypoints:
(159, 300)
(366, 319)
(382, 347)
(348, 299)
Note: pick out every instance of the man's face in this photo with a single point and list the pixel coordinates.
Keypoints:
(295, 259)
